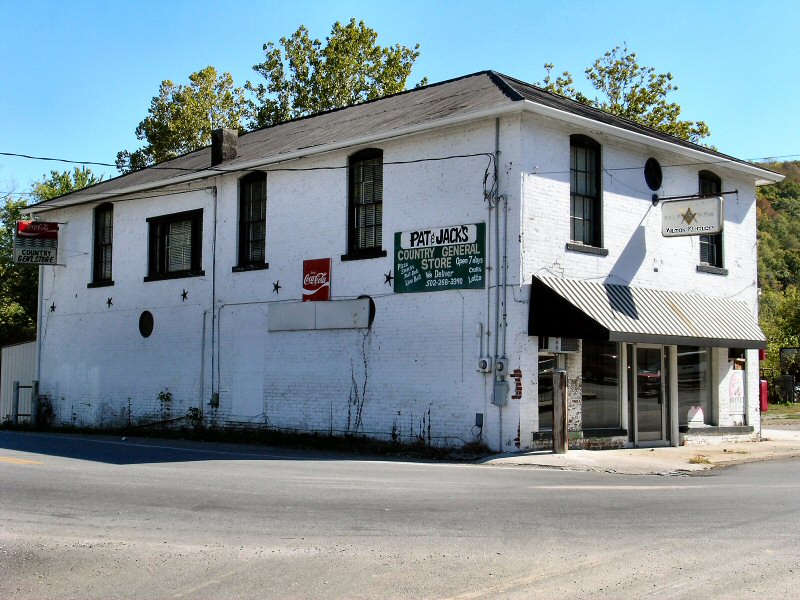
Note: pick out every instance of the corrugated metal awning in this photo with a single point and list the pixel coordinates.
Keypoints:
(591, 310)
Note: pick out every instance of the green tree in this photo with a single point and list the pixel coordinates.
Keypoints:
(778, 213)
(778, 210)
(64, 182)
(629, 90)
(19, 283)
(780, 320)
(182, 117)
(305, 76)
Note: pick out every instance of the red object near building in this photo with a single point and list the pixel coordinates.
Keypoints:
(37, 229)
(316, 279)
(764, 395)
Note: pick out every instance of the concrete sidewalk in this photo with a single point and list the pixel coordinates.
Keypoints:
(683, 460)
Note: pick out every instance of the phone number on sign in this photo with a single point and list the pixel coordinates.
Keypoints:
(441, 282)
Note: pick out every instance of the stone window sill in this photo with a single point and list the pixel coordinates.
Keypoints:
(583, 248)
(711, 270)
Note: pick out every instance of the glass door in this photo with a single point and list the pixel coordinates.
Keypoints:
(648, 391)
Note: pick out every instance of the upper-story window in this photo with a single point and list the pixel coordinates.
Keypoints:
(175, 243)
(710, 245)
(253, 220)
(584, 191)
(103, 243)
(365, 205)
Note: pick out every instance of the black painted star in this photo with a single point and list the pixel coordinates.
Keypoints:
(109, 303)
(53, 307)
(184, 295)
(388, 278)
(276, 286)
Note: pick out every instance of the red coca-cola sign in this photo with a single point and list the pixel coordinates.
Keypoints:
(37, 229)
(317, 279)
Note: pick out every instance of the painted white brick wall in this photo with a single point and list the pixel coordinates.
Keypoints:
(421, 352)
(413, 373)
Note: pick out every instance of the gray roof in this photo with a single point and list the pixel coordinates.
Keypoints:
(476, 93)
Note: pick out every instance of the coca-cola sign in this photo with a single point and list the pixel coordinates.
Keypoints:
(317, 279)
(37, 229)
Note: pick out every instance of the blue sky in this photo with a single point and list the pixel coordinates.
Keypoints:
(78, 76)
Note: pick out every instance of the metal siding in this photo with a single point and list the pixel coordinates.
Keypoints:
(17, 363)
(633, 313)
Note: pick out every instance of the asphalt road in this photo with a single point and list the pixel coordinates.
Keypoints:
(107, 518)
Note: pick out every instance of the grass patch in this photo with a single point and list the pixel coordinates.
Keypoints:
(783, 411)
(699, 459)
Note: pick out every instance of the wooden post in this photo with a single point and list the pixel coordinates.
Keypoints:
(34, 404)
(15, 404)
(560, 429)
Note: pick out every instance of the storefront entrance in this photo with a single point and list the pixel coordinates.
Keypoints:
(647, 391)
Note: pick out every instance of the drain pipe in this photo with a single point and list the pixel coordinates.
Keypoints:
(500, 386)
(214, 337)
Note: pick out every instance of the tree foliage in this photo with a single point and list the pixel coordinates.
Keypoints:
(19, 283)
(305, 76)
(181, 118)
(64, 182)
(629, 90)
(778, 209)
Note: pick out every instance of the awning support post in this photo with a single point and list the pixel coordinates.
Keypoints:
(560, 420)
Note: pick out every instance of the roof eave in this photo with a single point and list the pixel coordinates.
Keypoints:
(263, 162)
(762, 176)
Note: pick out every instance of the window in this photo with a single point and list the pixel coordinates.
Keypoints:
(710, 245)
(694, 383)
(252, 221)
(547, 368)
(365, 205)
(175, 245)
(601, 389)
(584, 191)
(103, 240)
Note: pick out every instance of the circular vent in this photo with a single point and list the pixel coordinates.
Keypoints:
(146, 323)
(652, 174)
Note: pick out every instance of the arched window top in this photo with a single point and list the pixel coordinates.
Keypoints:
(584, 141)
(252, 177)
(366, 154)
(710, 183)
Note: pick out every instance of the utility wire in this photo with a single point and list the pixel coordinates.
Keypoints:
(403, 162)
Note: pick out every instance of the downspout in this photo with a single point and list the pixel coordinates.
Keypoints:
(202, 366)
(494, 199)
(39, 312)
(214, 337)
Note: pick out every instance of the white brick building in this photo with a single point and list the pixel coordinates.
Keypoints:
(180, 286)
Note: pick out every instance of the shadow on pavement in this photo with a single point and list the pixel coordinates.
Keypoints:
(130, 451)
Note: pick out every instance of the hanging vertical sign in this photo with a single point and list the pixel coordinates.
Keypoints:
(36, 243)
(443, 258)
(316, 279)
